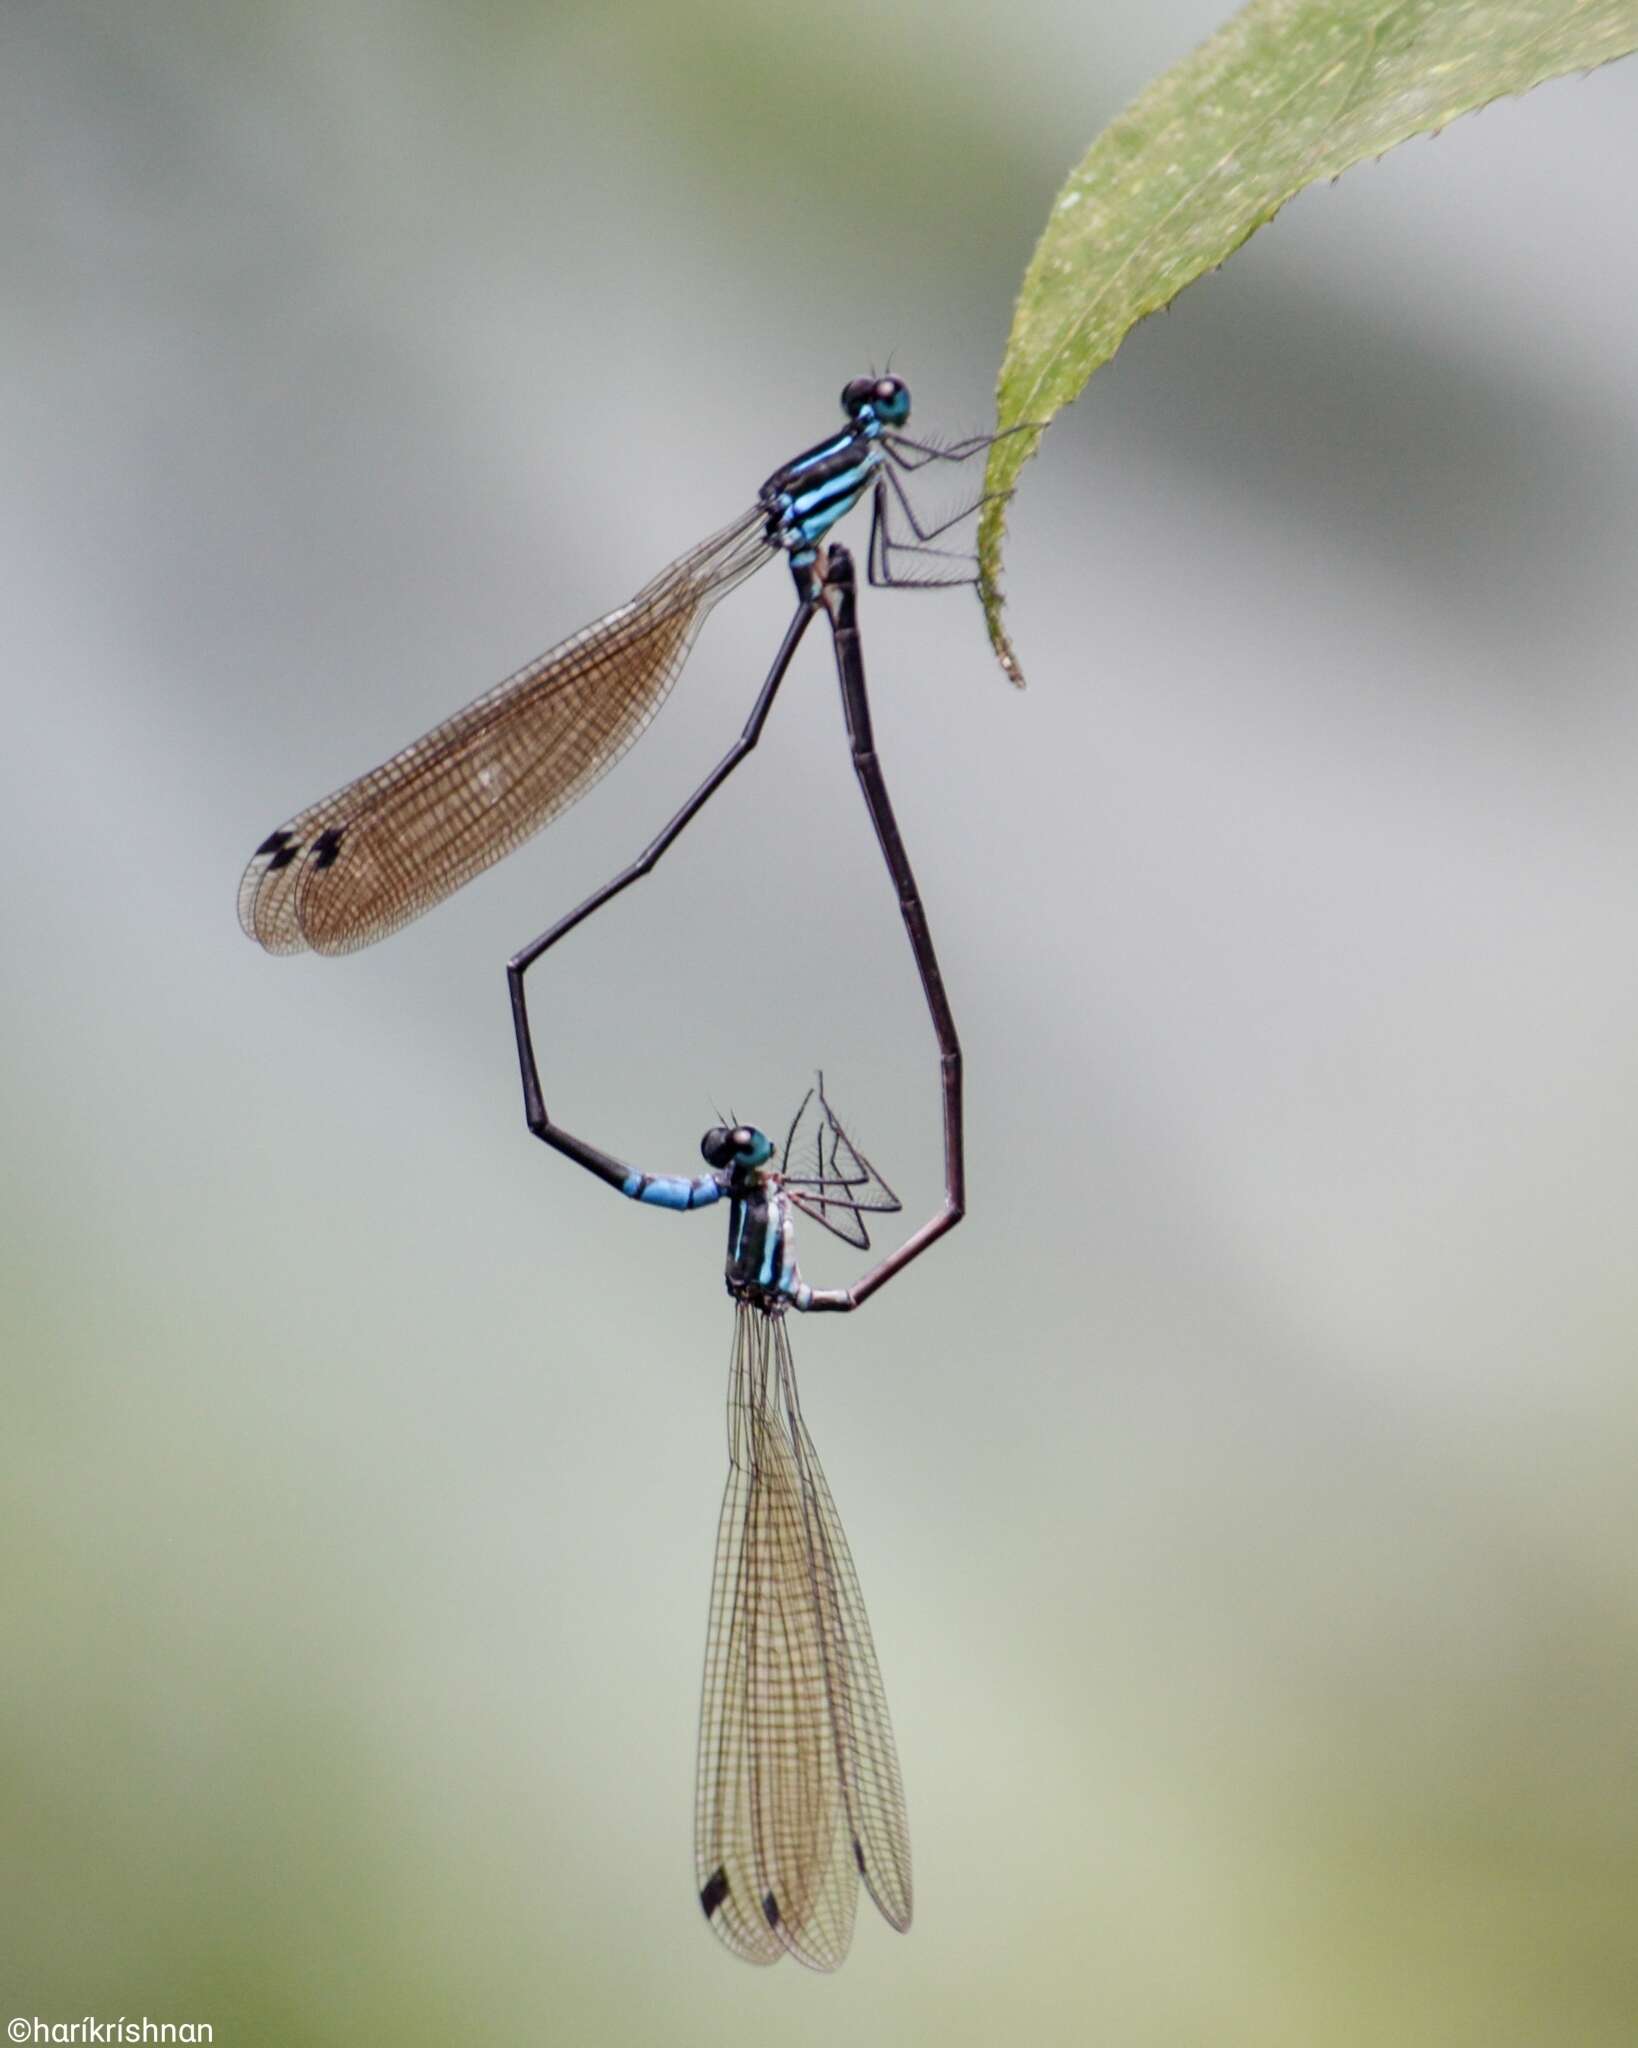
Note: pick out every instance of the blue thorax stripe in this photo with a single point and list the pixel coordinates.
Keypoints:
(848, 486)
(818, 455)
(770, 1244)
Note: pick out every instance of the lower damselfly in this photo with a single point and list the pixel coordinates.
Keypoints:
(797, 1787)
(360, 863)
(798, 1791)
(798, 1794)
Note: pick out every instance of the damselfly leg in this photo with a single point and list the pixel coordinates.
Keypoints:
(886, 546)
(913, 455)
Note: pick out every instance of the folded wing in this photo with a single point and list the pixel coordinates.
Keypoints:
(798, 1790)
(352, 868)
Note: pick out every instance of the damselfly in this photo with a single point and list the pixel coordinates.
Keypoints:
(352, 868)
(798, 1792)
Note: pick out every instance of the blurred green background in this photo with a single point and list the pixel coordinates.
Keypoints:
(1245, 1497)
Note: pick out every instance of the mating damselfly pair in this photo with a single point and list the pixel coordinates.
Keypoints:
(799, 1792)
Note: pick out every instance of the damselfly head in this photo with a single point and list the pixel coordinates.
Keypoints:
(886, 398)
(742, 1148)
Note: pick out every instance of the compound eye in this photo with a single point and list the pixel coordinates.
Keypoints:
(858, 391)
(890, 400)
(743, 1138)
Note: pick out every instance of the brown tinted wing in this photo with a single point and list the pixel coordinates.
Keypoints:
(350, 869)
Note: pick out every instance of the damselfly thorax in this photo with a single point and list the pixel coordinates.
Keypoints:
(761, 1266)
(806, 497)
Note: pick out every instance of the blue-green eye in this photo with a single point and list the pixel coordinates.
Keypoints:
(890, 401)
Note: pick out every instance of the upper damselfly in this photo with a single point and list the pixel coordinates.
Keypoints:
(352, 868)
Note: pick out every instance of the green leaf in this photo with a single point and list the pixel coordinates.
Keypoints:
(1288, 92)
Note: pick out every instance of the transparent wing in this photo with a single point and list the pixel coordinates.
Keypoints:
(798, 1787)
(350, 869)
(809, 1884)
(724, 1831)
(827, 1176)
(867, 1756)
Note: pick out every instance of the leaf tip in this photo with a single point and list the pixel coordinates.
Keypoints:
(990, 598)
